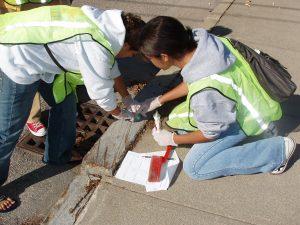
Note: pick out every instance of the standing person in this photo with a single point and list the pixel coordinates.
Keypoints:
(224, 105)
(42, 42)
(34, 124)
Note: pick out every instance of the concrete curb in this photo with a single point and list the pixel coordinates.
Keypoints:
(102, 160)
(215, 16)
(110, 150)
(73, 200)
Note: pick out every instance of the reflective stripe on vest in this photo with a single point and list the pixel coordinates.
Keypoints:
(244, 99)
(50, 24)
(61, 24)
(180, 115)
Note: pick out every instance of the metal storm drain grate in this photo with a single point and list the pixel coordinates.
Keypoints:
(91, 123)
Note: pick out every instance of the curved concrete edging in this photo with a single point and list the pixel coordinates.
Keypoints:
(102, 160)
(110, 150)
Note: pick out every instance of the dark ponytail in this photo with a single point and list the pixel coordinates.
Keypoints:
(191, 43)
(166, 35)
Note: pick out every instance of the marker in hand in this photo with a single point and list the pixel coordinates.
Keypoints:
(157, 122)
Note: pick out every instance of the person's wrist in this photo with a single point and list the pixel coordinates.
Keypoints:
(173, 139)
(160, 100)
(116, 111)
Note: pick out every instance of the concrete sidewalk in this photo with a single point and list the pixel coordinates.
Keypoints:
(191, 12)
(38, 187)
(254, 199)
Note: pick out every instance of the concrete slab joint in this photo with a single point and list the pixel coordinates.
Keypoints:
(73, 201)
(214, 17)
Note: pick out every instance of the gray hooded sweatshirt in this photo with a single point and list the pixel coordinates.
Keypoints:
(212, 111)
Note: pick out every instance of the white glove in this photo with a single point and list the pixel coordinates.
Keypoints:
(149, 105)
(163, 137)
(124, 115)
(131, 104)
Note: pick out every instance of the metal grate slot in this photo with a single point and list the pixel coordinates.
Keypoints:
(91, 124)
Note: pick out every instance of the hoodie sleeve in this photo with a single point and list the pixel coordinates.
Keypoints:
(213, 112)
(97, 72)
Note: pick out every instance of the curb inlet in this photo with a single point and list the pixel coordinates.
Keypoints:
(91, 124)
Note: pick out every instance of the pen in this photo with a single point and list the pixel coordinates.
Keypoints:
(148, 156)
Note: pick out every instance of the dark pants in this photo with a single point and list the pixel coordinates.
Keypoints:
(15, 104)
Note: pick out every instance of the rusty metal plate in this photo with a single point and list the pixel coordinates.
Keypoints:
(92, 122)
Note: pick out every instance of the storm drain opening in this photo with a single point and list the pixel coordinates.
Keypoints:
(91, 124)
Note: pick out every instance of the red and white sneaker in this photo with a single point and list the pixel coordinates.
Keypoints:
(37, 128)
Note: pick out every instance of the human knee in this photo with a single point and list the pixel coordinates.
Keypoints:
(196, 169)
(189, 169)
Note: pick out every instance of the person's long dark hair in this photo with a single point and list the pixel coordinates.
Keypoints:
(166, 35)
(133, 25)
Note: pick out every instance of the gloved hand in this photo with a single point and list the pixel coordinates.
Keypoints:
(149, 105)
(131, 104)
(163, 137)
(124, 115)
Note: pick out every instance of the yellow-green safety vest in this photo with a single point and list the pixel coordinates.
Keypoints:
(50, 24)
(21, 2)
(255, 109)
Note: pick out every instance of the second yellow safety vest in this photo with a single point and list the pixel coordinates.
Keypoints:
(49, 24)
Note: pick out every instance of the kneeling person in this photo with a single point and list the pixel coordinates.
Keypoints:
(224, 105)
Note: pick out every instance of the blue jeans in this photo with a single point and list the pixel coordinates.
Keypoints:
(15, 105)
(225, 156)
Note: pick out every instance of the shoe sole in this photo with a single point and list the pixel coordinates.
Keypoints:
(282, 169)
(36, 134)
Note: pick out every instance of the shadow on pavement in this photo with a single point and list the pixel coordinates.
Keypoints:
(295, 157)
(220, 31)
(290, 122)
(176, 175)
(134, 70)
(158, 86)
(18, 186)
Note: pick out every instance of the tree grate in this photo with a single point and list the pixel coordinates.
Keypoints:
(92, 122)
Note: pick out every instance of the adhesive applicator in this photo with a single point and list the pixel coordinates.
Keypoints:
(157, 162)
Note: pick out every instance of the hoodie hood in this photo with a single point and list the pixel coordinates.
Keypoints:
(110, 23)
(210, 57)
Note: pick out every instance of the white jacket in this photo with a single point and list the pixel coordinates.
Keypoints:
(26, 64)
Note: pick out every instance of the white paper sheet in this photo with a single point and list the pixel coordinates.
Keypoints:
(135, 169)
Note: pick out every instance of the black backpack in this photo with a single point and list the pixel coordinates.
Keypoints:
(272, 76)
